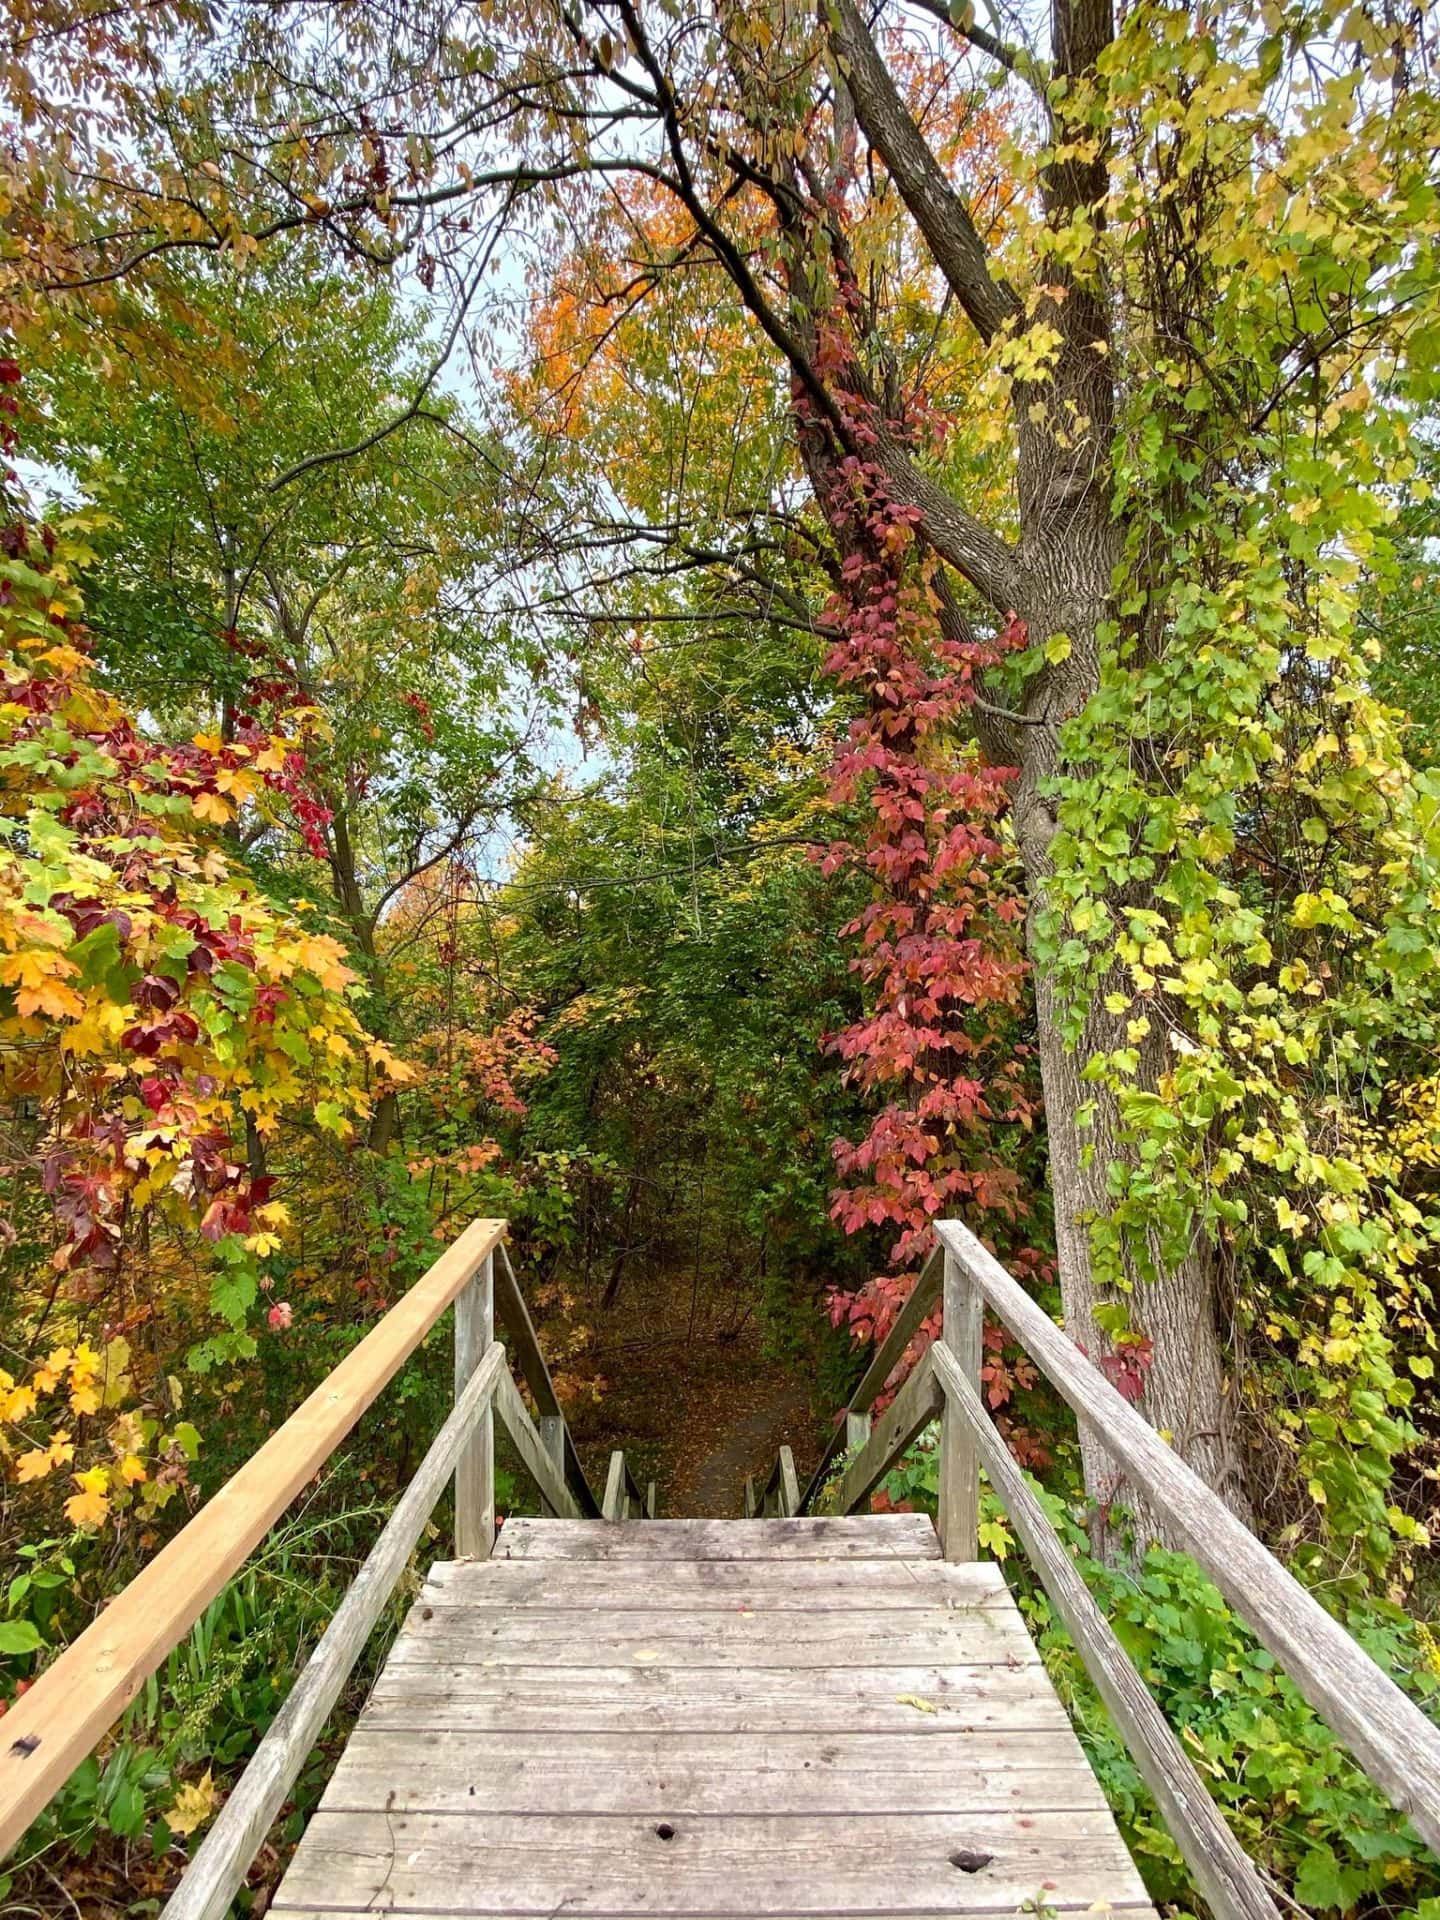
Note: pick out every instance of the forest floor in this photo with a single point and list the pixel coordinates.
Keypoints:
(696, 1407)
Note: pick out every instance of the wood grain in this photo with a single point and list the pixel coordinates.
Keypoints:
(50, 1731)
(217, 1870)
(561, 1637)
(962, 1333)
(513, 1316)
(1393, 1740)
(807, 1586)
(475, 1467)
(889, 1536)
(1222, 1870)
(869, 1774)
(731, 1864)
(515, 1416)
(654, 1699)
(908, 1414)
(921, 1299)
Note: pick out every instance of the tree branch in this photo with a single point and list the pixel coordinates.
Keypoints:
(936, 207)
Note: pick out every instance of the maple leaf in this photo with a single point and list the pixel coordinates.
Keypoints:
(15, 1402)
(194, 1805)
(90, 1506)
(50, 1373)
(210, 806)
(53, 998)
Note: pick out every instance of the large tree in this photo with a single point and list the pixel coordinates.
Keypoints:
(1134, 377)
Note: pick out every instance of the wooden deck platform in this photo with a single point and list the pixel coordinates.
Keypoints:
(711, 1717)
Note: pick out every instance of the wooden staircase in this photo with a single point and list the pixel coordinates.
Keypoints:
(698, 1717)
(802, 1713)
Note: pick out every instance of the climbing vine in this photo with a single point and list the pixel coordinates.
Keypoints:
(1246, 864)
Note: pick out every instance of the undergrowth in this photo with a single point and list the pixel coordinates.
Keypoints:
(1301, 1808)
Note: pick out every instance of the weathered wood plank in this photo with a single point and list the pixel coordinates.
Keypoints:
(525, 1349)
(736, 1863)
(50, 1731)
(527, 1443)
(1222, 1870)
(887, 1536)
(1393, 1740)
(1125, 1908)
(809, 1586)
(870, 1774)
(912, 1410)
(789, 1483)
(909, 1320)
(218, 1870)
(613, 1506)
(475, 1636)
(475, 1467)
(962, 1333)
(645, 1699)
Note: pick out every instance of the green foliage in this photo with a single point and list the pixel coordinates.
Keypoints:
(1247, 865)
(1296, 1802)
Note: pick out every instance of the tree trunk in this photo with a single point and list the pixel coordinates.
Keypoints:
(1184, 1390)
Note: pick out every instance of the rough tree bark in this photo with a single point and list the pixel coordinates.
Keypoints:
(1059, 580)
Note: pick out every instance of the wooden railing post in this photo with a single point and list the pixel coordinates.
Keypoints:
(475, 1469)
(961, 1329)
(552, 1438)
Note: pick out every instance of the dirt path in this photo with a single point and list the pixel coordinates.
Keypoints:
(697, 1416)
(715, 1485)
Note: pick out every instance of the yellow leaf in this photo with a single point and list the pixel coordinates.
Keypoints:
(193, 1805)
(49, 1374)
(132, 1469)
(209, 806)
(89, 1507)
(16, 1402)
(240, 782)
(54, 999)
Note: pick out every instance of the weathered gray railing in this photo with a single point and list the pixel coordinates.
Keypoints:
(623, 1498)
(853, 1427)
(780, 1494)
(1391, 1738)
(78, 1698)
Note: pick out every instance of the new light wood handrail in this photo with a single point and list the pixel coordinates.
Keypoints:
(217, 1872)
(78, 1698)
(1392, 1739)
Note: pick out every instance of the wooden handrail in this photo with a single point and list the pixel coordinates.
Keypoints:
(781, 1493)
(622, 1492)
(217, 1872)
(848, 1432)
(1223, 1871)
(78, 1698)
(1394, 1741)
(1396, 1744)
(514, 1316)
